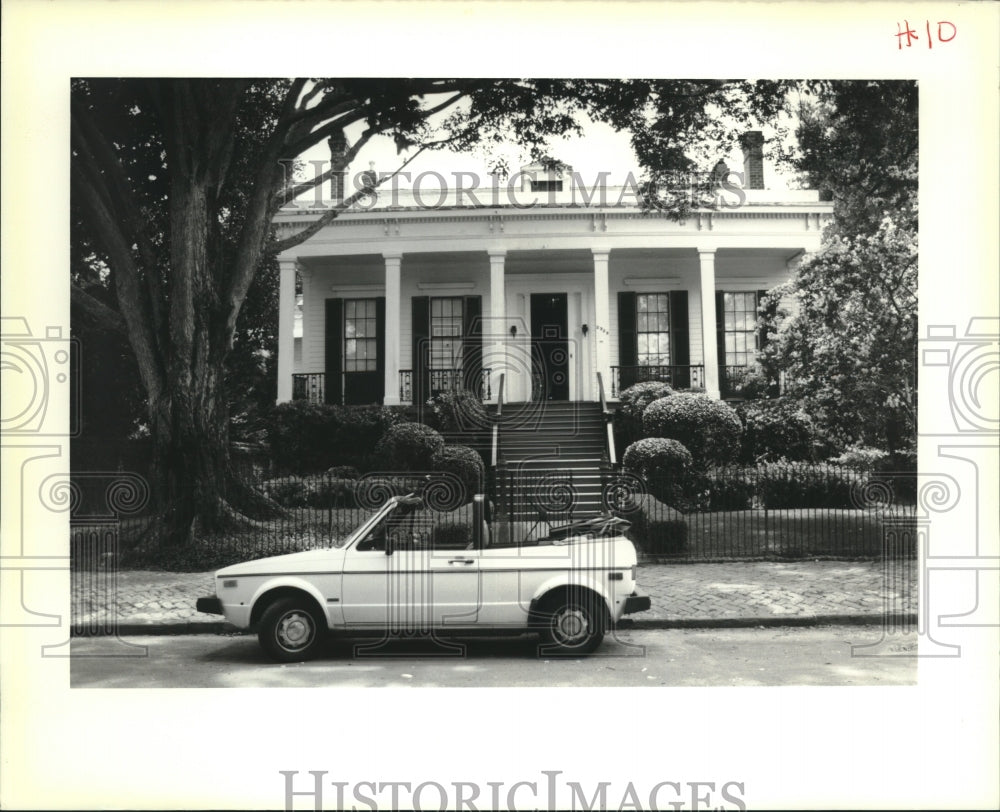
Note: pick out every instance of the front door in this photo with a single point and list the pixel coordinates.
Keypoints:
(549, 347)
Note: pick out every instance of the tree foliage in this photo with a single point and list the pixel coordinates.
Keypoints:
(848, 348)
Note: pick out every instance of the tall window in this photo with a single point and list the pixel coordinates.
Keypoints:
(653, 328)
(360, 353)
(446, 333)
(739, 318)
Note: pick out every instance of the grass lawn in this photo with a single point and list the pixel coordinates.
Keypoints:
(808, 533)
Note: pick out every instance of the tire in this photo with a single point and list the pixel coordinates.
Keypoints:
(574, 624)
(290, 630)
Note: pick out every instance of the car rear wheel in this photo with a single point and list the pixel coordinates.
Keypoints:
(290, 631)
(573, 625)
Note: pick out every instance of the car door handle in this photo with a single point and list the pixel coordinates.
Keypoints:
(461, 561)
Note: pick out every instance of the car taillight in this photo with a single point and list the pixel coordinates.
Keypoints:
(633, 571)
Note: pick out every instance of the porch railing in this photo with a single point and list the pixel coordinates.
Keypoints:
(310, 386)
(680, 376)
(447, 380)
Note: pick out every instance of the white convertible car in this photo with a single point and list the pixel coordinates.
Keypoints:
(403, 570)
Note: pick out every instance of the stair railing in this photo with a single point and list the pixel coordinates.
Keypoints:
(609, 428)
(495, 454)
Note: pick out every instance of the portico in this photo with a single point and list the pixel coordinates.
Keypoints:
(403, 302)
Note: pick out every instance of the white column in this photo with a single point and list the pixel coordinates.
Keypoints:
(601, 329)
(709, 343)
(393, 263)
(496, 355)
(286, 327)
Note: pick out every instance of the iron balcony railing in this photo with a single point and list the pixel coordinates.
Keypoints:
(447, 380)
(311, 386)
(679, 376)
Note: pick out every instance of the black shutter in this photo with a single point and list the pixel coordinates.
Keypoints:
(421, 329)
(472, 344)
(628, 341)
(380, 348)
(334, 350)
(680, 338)
(720, 338)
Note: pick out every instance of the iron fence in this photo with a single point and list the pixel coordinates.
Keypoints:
(782, 511)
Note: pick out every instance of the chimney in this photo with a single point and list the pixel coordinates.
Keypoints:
(752, 144)
(338, 147)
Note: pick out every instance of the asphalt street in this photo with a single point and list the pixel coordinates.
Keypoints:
(822, 655)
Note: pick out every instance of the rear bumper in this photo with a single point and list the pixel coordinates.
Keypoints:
(636, 603)
(210, 606)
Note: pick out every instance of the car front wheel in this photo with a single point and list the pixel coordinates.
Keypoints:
(290, 631)
(574, 625)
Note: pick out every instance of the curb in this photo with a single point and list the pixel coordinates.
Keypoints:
(221, 627)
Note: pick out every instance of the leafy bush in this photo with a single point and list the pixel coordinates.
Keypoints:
(656, 528)
(309, 437)
(860, 458)
(708, 428)
(804, 485)
(774, 430)
(663, 464)
(451, 535)
(288, 491)
(466, 464)
(343, 472)
(723, 489)
(457, 411)
(634, 401)
(409, 447)
(331, 492)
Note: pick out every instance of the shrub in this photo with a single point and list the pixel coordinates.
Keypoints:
(860, 458)
(774, 430)
(663, 464)
(457, 411)
(289, 491)
(309, 437)
(451, 536)
(723, 489)
(805, 485)
(656, 528)
(708, 428)
(409, 447)
(634, 401)
(343, 472)
(331, 492)
(466, 464)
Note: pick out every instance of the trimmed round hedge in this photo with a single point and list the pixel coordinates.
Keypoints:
(466, 464)
(634, 401)
(410, 446)
(657, 457)
(708, 428)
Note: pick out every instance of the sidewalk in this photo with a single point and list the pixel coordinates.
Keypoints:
(755, 593)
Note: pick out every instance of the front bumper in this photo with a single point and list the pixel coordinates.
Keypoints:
(636, 603)
(210, 606)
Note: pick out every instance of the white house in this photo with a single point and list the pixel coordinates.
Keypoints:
(556, 282)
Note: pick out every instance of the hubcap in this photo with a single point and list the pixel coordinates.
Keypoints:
(571, 625)
(295, 630)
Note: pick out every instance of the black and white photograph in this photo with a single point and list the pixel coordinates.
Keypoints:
(394, 432)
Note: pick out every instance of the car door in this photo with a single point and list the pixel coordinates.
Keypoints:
(427, 578)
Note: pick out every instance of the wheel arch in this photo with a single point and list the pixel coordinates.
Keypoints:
(275, 591)
(552, 592)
